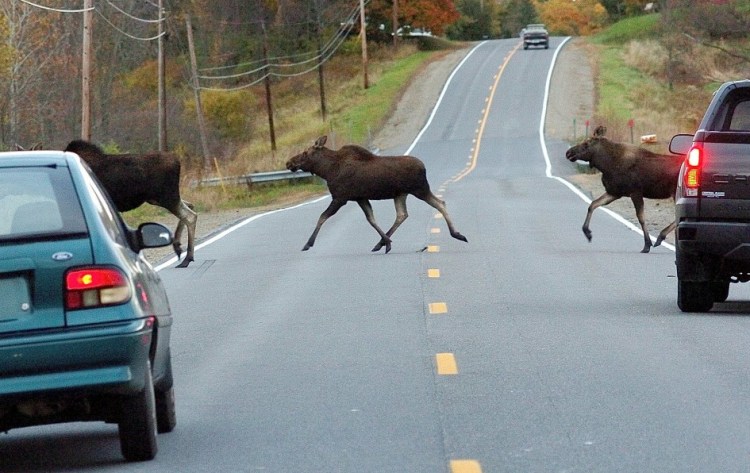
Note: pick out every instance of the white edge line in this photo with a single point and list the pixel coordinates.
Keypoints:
(238, 225)
(569, 185)
(244, 222)
(440, 98)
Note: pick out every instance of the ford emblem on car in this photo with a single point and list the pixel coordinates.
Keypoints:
(62, 256)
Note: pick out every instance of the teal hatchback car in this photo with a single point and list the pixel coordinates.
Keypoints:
(84, 319)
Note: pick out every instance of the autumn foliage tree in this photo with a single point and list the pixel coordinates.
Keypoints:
(579, 18)
(432, 15)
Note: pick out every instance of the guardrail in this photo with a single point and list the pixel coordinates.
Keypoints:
(255, 178)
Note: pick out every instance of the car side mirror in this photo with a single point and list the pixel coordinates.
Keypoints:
(680, 144)
(153, 235)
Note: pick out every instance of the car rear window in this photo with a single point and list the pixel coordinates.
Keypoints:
(38, 201)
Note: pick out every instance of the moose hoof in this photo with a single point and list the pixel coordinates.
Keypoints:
(458, 236)
(185, 263)
(646, 249)
(177, 247)
(587, 232)
(659, 240)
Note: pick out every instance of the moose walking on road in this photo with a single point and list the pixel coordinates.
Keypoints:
(628, 171)
(132, 179)
(353, 173)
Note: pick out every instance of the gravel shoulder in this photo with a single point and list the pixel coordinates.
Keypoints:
(572, 100)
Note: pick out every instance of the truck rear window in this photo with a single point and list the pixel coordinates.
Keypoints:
(38, 201)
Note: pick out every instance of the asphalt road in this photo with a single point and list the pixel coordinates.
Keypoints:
(526, 349)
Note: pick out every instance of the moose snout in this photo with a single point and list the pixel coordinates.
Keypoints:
(291, 165)
(570, 154)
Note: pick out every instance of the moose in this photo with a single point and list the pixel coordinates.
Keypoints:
(628, 171)
(355, 174)
(132, 179)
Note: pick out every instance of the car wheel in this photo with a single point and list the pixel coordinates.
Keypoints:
(695, 296)
(166, 414)
(137, 425)
(720, 290)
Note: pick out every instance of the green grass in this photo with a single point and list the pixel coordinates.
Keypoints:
(372, 105)
(639, 27)
(614, 81)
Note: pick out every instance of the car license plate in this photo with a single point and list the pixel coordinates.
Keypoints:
(15, 297)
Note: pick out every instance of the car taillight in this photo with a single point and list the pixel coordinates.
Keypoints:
(691, 179)
(94, 287)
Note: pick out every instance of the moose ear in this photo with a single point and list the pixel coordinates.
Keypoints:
(321, 141)
(600, 130)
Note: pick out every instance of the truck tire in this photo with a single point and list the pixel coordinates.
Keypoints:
(137, 425)
(720, 290)
(695, 296)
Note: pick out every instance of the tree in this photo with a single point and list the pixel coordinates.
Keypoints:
(564, 17)
(479, 20)
(29, 45)
(515, 15)
(432, 15)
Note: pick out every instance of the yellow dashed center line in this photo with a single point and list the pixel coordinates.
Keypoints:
(434, 230)
(433, 273)
(485, 114)
(438, 308)
(465, 466)
(446, 364)
(433, 248)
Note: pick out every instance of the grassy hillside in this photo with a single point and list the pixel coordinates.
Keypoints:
(662, 82)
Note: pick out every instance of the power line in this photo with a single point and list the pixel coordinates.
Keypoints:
(142, 20)
(324, 55)
(58, 10)
(125, 33)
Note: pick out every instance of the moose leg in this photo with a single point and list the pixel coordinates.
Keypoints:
(188, 218)
(638, 203)
(663, 234)
(370, 215)
(401, 215)
(438, 204)
(603, 199)
(333, 207)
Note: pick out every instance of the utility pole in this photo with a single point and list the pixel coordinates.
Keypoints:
(88, 20)
(363, 35)
(321, 81)
(162, 99)
(395, 23)
(267, 81)
(197, 92)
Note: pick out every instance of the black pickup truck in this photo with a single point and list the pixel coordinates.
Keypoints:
(712, 202)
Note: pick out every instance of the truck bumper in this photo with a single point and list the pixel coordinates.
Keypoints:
(728, 240)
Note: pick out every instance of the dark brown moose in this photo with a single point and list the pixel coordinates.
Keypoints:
(354, 173)
(628, 171)
(132, 179)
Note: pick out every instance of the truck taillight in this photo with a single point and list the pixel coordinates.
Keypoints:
(691, 179)
(94, 287)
